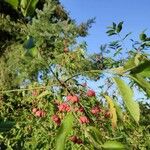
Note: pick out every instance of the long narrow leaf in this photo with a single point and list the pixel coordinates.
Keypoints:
(64, 131)
(127, 96)
(145, 85)
(112, 110)
(113, 145)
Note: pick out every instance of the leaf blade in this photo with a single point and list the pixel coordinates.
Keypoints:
(127, 96)
(63, 132)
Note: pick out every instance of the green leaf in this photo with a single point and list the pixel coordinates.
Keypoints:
(113, 145)
(127, 95)
(95, 134)
(33, 52)
(118, 111)
(117, 51)
(143, 36)
(126, 35)
(47, 92)
(93, 138)
(13, 3)
(111, 32)
(114, 26)
(145, 85)
(29, 43)
(64, 131)
(133, 62)
(119, 27)
(112, 110)
(130, 64)
(6, 125)
(143, 69)
(28, 7)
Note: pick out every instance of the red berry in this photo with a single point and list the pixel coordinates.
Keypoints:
(38, 113)
(75, 99)
(43, 113)
(79, 141)
(34, 110)
(81, 109)
(64, 107)
(73, 139)
(69, 97)
(90, 93)
(107, 114)
(95, 110)
(56, 119)
(84, 119)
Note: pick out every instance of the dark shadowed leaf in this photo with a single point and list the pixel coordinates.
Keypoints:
(145, 85)
(119, 27)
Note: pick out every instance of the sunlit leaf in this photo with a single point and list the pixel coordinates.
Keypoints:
(91, 136)
(13, 3)
(113, 145)
(64, 131)
(112, 110)
(143, 69)
(127, 96)
(28, 7)
(47, 92)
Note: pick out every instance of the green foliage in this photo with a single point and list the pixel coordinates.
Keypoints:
(113, 145)
(42, 64)
(14, 3)
(127, 96)
(141, 82)
(115, 29)
(27, 6)
(64, 131)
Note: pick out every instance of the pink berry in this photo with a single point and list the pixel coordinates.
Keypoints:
(75, 99)
(90, 93)
(34, 110)
(38, 113)
(56, 119)
(84, 119)
(69, 97)
(43, 113)
(73, 139)
(64, 107)
(95, 110)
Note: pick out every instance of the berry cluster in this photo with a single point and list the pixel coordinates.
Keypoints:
(38, 112)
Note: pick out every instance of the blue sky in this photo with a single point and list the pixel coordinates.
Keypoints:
(134, 13)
